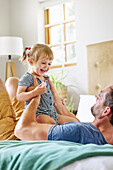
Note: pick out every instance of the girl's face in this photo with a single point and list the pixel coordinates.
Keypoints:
(42, 66)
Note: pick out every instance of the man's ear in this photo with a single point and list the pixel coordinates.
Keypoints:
(107, 111)
(30, 60)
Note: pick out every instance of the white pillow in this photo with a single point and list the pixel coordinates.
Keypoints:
(84, 109)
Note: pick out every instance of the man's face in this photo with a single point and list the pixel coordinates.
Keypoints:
(98, 108)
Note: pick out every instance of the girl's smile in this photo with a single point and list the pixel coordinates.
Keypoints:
(41, 66)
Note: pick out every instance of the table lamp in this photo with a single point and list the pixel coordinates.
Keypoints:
(11, 46)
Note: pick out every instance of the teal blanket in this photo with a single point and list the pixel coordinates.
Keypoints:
(46, 155)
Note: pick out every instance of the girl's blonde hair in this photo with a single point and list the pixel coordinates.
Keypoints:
(36, 52)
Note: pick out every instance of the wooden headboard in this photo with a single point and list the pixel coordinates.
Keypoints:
(100, 66)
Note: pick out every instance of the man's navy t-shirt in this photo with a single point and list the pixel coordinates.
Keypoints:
(78, 132)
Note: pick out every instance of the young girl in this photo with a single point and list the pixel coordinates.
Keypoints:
(40, 58)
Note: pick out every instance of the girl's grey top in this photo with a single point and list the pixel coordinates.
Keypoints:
(46, 101)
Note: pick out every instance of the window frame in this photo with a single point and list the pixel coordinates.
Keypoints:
(47, 27)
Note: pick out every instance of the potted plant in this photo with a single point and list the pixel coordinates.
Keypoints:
(57, 80)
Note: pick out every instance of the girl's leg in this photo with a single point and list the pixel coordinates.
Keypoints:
(65, 119)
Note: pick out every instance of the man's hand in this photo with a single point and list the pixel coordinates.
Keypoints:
(37, 89)
(40, 89)
(34, 86)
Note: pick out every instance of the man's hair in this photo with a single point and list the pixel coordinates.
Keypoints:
(109, 102)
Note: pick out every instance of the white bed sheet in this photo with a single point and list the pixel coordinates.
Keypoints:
(92, 163)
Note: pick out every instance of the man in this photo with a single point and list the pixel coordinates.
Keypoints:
(98, 132)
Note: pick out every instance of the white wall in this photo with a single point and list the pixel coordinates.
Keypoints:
(24, 20)
(24, 23)
(94, 24)
(4, 17)
(4, 30)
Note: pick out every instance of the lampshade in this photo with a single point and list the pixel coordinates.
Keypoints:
(11, 45)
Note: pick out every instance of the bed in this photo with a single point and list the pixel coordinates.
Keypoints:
(50, 155)
(57, 155)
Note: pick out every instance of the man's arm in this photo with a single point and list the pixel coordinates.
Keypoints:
(27, 127)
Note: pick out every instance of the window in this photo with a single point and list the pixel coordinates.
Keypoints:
(60, 33)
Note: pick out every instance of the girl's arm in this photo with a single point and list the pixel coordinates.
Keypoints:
(59, 106)
(27, 93)
(54, 92)
(23, 95)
